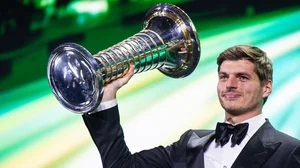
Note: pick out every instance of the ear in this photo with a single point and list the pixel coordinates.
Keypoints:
(267, 88)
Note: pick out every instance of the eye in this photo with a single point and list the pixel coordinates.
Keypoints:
(223, 77)
(243, 78)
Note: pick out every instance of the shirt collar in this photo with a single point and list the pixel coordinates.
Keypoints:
(254, 123)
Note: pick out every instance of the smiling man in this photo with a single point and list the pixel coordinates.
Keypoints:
(245, 139)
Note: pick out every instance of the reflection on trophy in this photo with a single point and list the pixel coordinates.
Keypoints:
(168, 42)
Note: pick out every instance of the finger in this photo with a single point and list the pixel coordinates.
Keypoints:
(129, 74)
(131, 69)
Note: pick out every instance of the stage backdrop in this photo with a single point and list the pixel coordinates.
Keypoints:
(36, 131)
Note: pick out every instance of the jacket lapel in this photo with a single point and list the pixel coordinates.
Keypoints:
(195, 149)
(259, 148)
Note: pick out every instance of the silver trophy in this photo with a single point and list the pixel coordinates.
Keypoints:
(168, 42)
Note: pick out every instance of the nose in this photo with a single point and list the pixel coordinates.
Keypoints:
(231, 82)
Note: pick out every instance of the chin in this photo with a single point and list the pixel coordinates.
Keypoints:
(233, 110)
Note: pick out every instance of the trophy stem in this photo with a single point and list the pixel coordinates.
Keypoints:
(146, 50)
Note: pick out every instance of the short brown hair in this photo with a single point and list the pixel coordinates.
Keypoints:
(263, 64)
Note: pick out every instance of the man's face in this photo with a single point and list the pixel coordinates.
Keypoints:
(239, 88)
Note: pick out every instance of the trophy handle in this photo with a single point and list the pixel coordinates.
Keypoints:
(168, 42)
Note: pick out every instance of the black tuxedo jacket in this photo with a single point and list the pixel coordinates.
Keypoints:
(268, 148)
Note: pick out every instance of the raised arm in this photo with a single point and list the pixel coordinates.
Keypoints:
(107, 134)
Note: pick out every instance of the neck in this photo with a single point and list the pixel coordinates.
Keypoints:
(235, 119)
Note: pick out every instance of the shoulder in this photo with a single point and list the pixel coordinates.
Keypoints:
(281, 136)
(200, 133)
(286, 139)
(180, 147)
(289, 148)
(288, 143)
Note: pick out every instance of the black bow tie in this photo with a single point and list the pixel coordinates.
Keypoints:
(224, 130)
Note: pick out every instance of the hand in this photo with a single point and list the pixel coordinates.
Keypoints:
(111, 88)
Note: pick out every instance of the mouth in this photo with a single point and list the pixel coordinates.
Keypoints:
(231, 96)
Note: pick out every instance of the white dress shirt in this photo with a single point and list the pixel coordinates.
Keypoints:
(105, 105)
(223, 157)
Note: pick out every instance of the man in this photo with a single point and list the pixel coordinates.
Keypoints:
(245, 82)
